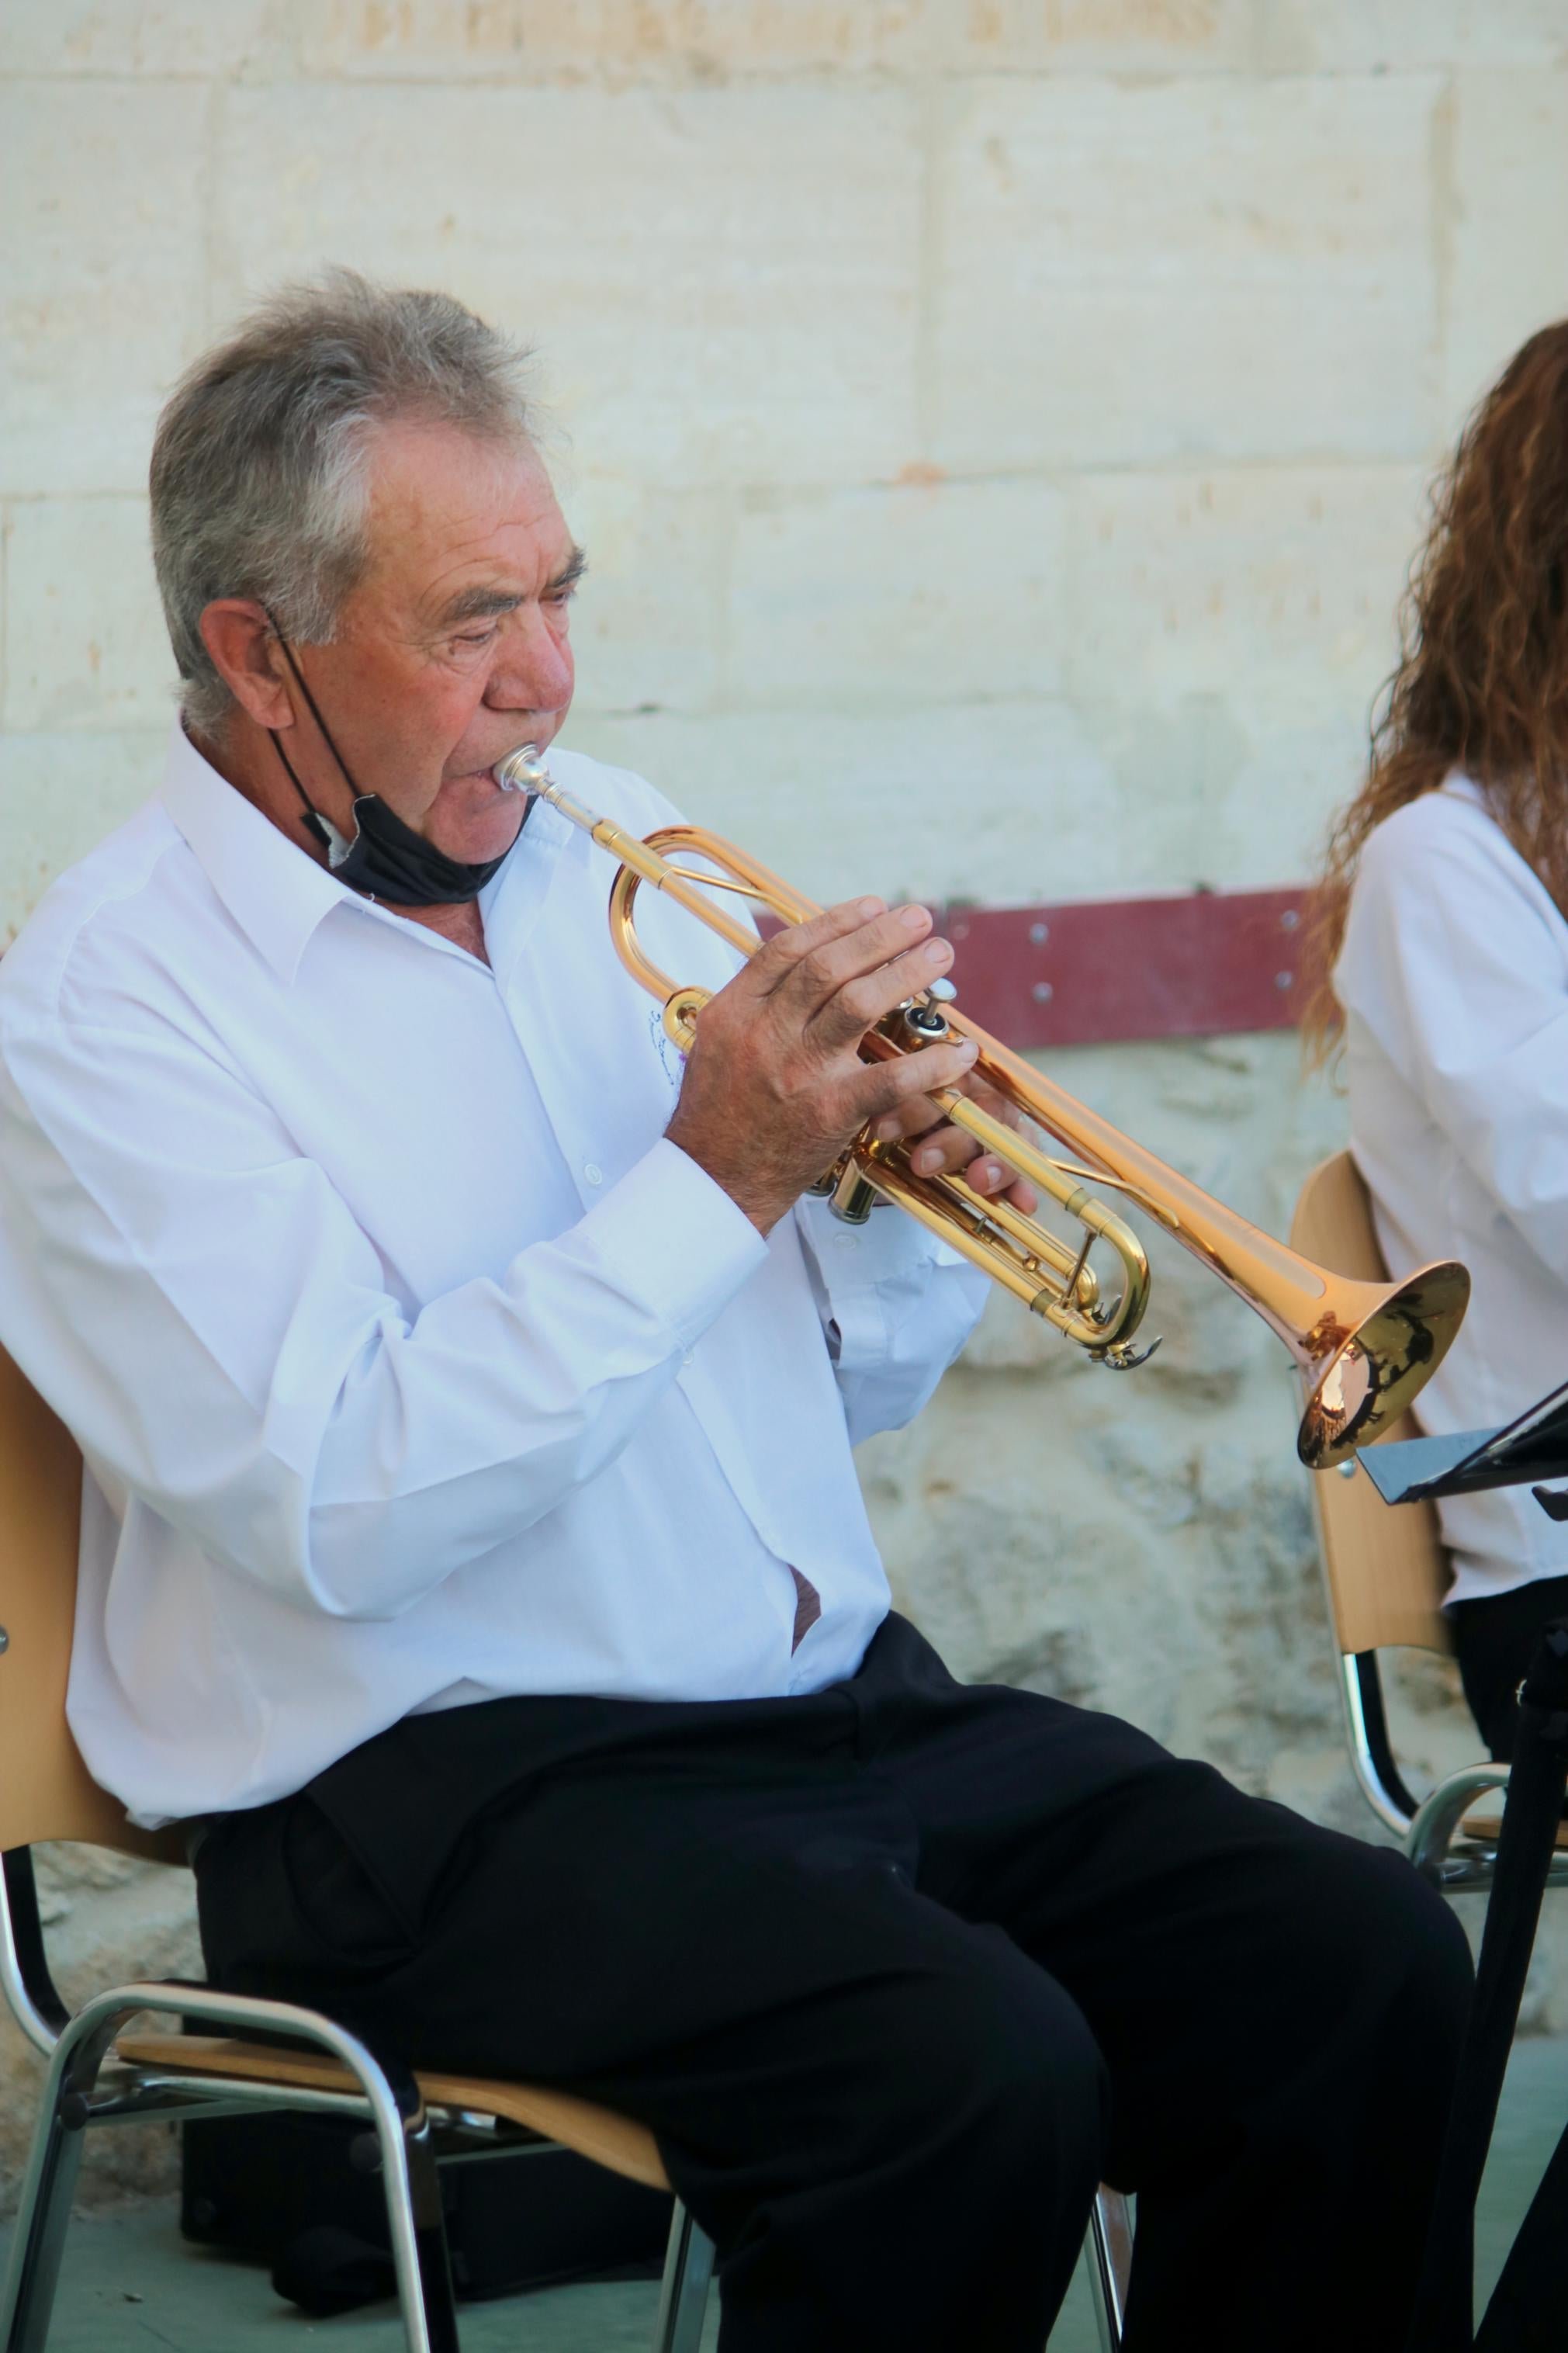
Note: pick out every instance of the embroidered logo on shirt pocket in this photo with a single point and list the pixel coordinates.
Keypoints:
(668, 1054)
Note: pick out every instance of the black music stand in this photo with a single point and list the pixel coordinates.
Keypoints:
(1531, 1448)
(1526, 2309)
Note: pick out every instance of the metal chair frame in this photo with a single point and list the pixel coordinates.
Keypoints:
(87, 2085)
(1385, 1574)
(1430, 1829)
(1108, 2260)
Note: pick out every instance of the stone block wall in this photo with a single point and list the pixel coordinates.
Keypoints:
(999, 428)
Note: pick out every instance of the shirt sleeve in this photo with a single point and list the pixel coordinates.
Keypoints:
(202, 1306)
(896, 1305)
(1452, 963)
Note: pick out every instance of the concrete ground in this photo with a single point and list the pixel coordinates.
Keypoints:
(131, 2282)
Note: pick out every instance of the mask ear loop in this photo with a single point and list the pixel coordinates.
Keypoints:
(314, 823)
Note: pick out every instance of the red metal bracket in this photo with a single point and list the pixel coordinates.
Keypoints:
(1096, 970)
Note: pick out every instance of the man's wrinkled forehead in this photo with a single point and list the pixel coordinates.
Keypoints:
(446, 507)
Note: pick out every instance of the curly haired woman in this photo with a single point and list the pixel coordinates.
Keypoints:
(1442, 932)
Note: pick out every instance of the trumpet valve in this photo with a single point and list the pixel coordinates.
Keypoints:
(922, 1024)
(853, 1197)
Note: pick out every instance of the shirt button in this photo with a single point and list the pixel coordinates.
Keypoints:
(686, 1361)
(593, 1173)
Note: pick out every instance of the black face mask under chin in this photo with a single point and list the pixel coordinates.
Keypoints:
(386, 858)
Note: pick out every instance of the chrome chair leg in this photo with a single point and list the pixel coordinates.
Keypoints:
(1108, 2259)
(407, 2160)
(418, 2184)
(683, 2296)
(42, 2216)
(1438, 1817)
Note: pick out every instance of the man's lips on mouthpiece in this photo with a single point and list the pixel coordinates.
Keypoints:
(481, 775)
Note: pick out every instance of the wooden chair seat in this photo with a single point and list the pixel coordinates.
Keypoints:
(1488, 1828)
(612, 2141)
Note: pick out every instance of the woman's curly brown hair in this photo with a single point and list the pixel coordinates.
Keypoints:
(1482, 680)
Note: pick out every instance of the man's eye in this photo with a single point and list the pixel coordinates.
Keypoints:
(474, 637)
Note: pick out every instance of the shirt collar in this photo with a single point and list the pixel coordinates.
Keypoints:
(276, 893)
(1464, 787)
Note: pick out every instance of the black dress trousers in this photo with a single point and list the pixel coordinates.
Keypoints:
(896, 1973)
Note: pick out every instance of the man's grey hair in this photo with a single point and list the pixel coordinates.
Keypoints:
(258, 476)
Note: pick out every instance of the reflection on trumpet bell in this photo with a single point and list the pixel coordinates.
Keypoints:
(1372, 1369)
(1366, 1349)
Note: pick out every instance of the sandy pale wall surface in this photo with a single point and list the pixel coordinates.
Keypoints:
(999, 428)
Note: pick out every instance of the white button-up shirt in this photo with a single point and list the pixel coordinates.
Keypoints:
(1454, 977)
(410, 1363)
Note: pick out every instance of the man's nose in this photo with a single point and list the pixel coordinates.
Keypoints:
(533, 668)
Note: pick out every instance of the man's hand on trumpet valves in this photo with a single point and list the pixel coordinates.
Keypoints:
(942, 1146)
(775, 1085)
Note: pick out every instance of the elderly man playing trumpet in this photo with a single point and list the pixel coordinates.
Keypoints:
(472, 1547)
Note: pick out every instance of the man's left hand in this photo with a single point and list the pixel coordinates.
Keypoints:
(942, 1146)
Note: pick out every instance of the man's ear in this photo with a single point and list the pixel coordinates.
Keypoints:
(245, 652)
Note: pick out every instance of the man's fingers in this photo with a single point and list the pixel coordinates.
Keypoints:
(943, 1147)
(993, 1177)
(877, 1088)
(814, 971)
(857, 1004)
(795, 944)
(949, 1148)
(790, 947)
(912, 1118)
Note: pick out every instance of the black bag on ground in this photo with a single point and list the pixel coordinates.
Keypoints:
(285, 2190)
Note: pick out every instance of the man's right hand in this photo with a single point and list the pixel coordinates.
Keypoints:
(775, 1085)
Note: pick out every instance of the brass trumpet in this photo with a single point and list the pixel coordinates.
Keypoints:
(1366, 1349)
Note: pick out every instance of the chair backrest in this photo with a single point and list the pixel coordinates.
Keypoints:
(45, 1790)
(1386, 1568)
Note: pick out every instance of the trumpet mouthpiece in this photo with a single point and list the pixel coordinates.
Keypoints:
(522, 771)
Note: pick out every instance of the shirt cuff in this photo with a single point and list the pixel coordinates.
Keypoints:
(668, 1236)
(889, 1243)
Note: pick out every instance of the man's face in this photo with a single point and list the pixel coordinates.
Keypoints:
(453, 649)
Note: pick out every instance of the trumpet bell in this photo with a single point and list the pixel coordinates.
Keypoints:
(1377, 1365)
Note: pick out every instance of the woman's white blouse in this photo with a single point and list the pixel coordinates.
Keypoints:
(1454, 977)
